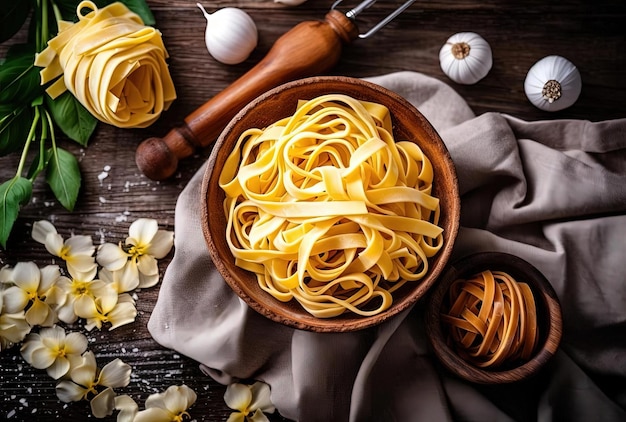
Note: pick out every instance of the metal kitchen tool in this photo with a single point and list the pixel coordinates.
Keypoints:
(310, 48)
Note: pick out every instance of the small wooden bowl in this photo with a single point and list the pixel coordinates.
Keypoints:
(408, 123)
(549, 319)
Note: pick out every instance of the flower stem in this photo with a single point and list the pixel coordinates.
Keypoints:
(29, 139)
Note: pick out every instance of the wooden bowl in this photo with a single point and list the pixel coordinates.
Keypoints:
(281, 102)
(549, 319)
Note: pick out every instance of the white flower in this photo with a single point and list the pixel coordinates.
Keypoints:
(53, 350)
(85, 380)
(34, 287)
(144, 245)
(76, 251)
(115, 309)
(251, 401)
(78, 289)
(169, 406)
(13, 327)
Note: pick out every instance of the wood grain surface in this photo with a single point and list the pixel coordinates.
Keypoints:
(590, 34)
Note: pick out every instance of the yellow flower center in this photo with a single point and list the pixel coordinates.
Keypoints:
(80, 288)
(138, 250)
(65, 253)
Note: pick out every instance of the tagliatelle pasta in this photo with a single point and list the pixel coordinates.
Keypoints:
(113, 63)
(326, 208)
(492, 319)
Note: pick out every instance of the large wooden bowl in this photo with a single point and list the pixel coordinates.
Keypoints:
(549, 319)
(408, 123)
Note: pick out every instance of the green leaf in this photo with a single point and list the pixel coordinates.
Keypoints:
(13, 194)
(19, 78)
(71, 117)
(63, 176)
(15, 122)
(140, 7)
(13, 14)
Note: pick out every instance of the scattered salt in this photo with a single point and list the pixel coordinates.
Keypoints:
(135, 350)
(11, 414)
(102, 199)
(107, 168)
(103, 175)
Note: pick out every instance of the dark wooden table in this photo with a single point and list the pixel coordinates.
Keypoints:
(590, 34)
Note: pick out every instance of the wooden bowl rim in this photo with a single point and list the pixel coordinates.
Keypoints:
(539, 284)
(346, 322)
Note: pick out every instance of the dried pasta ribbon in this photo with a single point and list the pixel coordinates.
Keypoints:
(112, 63)
(492, 319)
(326, 208)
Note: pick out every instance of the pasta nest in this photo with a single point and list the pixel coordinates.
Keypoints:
(112, 63)
(326, 208)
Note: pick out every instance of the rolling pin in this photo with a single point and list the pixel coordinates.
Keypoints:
(310, 48)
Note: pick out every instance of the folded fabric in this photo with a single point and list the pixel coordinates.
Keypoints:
(551, 192)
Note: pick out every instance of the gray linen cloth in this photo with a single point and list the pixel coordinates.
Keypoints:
(550, 192)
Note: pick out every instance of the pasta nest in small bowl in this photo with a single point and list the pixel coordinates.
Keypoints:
(330, 204)
(493, 318)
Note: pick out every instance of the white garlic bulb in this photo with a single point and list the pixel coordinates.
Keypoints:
(466, 58)
(290, 2)
(231, 34)
(553, 83)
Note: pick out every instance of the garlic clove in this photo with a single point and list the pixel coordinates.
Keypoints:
(290, 2)
(466, 58)
(553, 83)
(231, 34)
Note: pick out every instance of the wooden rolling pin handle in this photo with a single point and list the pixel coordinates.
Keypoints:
(310, 48)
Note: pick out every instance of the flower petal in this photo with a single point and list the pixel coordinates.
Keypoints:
(176, 398)
(124, 313)
(261, 397)
(49, 276)
(258, 416)
(236, 417)
(238, 396)
(30, 344)
(84, 370)
(67, 391)
(146, 281)
(103, 404)
(147, 265)
(127, 407)
(142, 231)
(80, 246)
(161, 244)
(15, 300)
(59, 367)
(41, 229)
(106, 297)
(83, 266)
(153, 414)
(111, 256)
(54, 243)
(26, 275)
(115, 374)
(85, 307)
(189, 395)
(13, 327)
(124, 280)
(5, 274)
(38, 314)
(155, 400)
(75, 343)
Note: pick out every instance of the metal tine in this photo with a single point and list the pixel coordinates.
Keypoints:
(352, 14)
